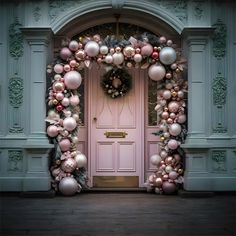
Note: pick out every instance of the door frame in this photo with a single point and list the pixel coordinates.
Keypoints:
(142, 100)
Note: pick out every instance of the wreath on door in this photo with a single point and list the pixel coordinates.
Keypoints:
(117, 82)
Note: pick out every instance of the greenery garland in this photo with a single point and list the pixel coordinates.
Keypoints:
(116, 82)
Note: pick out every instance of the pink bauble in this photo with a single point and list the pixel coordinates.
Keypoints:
(91, 48)
(72, 79)
(172, 144)
(170, 121)
(65, 53)
(118, 58)
(165, 177)
(58, 68)
(166, 94)
(59, 96)
(65, 145)
(165, 115)
(67, 67)
(104, 50)
(169, 188)
(172, 115)
(129, 51)
(138, 58)
(162, 39)
(167, 55)
(69, 123)
(80, 54)
(168, 160)
(175, 129)
(173, 106)
(177, 157)
(109, 59)
(156, 72)
(181, 118)
(163, 154)
(52, 131)
(169, 43)
(180, 94)
(74, 100)
(58, 86)
(158, 182)
(155, 159)
(147, 50)
(173, 175)
(68, 186)
(73, 45)
(73, 63)
(81, 160)
(65, 102)
(68, 165)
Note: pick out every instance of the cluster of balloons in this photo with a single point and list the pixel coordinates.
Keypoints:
(63, 119)
(171, 111)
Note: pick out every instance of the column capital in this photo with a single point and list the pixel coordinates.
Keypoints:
(197, 31)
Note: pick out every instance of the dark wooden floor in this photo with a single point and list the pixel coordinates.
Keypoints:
(120, 214)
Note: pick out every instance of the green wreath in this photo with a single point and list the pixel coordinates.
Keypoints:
(116, 82)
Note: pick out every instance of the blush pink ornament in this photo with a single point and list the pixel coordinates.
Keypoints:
(169, 188)
(158, 182)
(65, 53)
(173, 175)
(138, 58)
(68, 186)
(80, 54)
(69, 123)
(172, 144)
(58, 68)
(175, 129)
(68, 165)
(91, 48)
(156, 72)
(59, 96)
(155, 159)
(67, 68)
(181, 118)
(74, 100)
(52, 131)
(58, 86)
(147, 50)
(64, 145)
(173, 106)
(72, 79)
(129, 51)
(73, 45)
(73, 63)
(166, 94)
(109, 59)
(65, 102)
(177, 158)
(165, 115)
(162, 39)
(80, 160)
(180, 94)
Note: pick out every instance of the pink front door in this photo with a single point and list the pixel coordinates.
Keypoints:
(109, 153)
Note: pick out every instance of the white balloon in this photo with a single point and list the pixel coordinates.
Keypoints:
(167, 55)
(156, 72)
(155, 159)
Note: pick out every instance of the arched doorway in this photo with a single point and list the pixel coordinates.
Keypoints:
(116, 162)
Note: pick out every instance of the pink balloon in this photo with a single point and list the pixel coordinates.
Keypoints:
(65, 53)
(52, 131)
(172, 144)
(65, 145)
(168, 187)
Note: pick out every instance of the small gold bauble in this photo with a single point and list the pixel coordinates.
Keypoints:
(55, 102)
(174, 94)
(162, 138)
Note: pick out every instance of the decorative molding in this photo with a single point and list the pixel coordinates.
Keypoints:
(198, 10)
(219, 87)
(15, 160)
(219, 39)
(117, 4)
(219, 161)
(16, 47)
(37, 13)
(15, 91)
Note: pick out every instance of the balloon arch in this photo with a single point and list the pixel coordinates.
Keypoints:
(164, 64)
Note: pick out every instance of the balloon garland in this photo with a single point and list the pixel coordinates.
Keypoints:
(116, 82)
(147, 51)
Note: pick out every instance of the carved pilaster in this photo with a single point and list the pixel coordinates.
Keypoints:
(218, 161)
(15, 161)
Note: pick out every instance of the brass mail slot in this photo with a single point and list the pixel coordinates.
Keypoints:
(115, 134)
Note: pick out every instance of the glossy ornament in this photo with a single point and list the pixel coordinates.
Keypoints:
(65, 53)
(65, 144)
(69, 123)
(155, 159)
(73, 45)
(169, 188)
(173, 106)
(158, 182)
(68, 165)
(104, 50)
(168, 169)
(129, 51)
(59, 96)
(166, 94)
(156, 72)
(109, 59)
(173, 175)
(147, 50)
(175, 129)
(167, 55)
(52, 131)
(91, 48)
(181, 118)
(65, 102)
(68, 186)
(58, 68)
(72, 79)
(74, 100)
(172, 144)
(58, 86)
(81, 160)
(80, 55)
(118, 58)
(138, 58)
